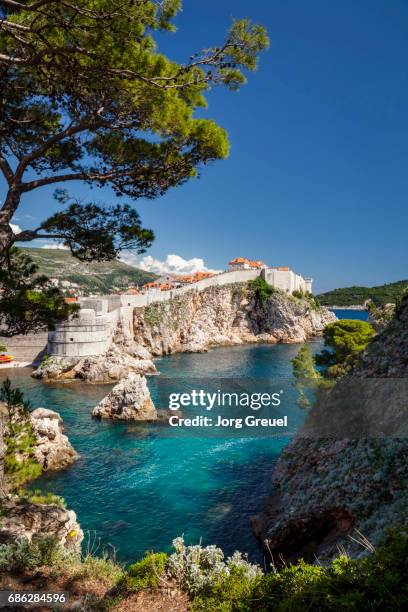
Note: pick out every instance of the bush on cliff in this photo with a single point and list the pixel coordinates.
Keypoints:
(345, 339)
(262, 289)
(145, 574)
(20, 554)
(38, 497)
(20, 465)
(376, 583)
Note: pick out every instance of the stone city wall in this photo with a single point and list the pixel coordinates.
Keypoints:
(92, 332)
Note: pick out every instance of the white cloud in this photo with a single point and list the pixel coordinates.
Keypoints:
(16, 228)
(173, 264)
(55, 245)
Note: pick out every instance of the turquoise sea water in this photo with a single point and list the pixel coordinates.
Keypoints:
(137, 488)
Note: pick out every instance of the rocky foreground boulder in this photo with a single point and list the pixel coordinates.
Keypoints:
(53, 450)
(346, 472)
(29, 521)
(111, 366)
(129, 400)
(28, 439)
(37, 435)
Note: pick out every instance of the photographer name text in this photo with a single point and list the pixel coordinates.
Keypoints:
(235, 423)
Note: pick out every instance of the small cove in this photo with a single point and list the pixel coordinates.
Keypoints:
(135, 489)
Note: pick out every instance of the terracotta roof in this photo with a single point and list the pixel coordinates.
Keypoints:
(249, 262)
(70, 300)
(201, 275)
(256, 264)
(186, 278)
(131, 291)
(150, 285)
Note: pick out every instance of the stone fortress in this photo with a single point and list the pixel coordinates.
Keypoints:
(91, 333)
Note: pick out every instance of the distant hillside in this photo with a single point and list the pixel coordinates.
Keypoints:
(78, 277)
(348, 296)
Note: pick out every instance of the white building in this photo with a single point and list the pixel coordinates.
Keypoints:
(285, 279)
(280, 277)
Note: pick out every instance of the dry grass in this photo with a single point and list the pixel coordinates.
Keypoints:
(169, 599)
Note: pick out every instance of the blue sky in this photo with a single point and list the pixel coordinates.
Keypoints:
(317, 177)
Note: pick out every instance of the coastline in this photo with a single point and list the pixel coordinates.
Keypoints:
(15, 364)
(352, 307)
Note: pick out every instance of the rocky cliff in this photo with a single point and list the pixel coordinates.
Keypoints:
(32, 443)
(346, 472)
(33, 440)
(226, 315)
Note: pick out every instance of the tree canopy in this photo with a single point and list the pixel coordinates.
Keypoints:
(87, 96)
(28, 302)
(346, 339)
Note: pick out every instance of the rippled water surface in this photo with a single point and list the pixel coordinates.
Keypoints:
(137, 488)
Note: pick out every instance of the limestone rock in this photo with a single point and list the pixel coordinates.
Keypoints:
(55, 368)
(129, 400)
(109, 367)
(139, 352)
(225, 315)
(346, 469)
(31, 521)
(53, 450)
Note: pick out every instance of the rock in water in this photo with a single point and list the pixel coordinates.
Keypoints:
(32, 521)
(129, 400)
(53, 450)
(112, 365)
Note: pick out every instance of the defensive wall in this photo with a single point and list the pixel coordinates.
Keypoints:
(92, 331)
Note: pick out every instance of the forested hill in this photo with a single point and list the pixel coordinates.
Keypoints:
(84, 278)
(349, 296)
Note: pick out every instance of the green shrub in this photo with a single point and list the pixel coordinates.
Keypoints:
(346, 339)
(152, 314)
(303, 365)
(376, 583)
(21, 554)
(313, 301)
(306, 375)
(20, 472)
(20, 465)
(228, 592)
(98, 568)
(145, 574)
(37, 497)
(45, 359)
(262, 289)
(198, 568)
